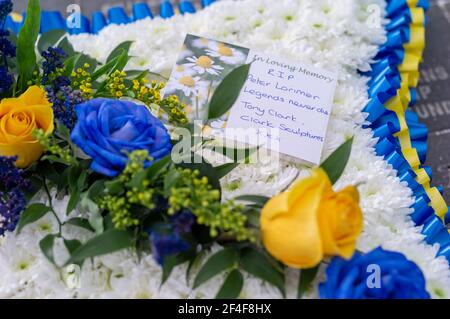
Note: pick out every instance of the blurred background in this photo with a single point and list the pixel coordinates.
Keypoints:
(433, 106)
(89, 6)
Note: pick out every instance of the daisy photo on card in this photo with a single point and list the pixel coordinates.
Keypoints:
(201, 65)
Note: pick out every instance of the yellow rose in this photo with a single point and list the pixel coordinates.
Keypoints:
(18, 118)
(301, 226)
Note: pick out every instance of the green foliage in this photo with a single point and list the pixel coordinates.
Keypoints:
(335, 164)
(106, 243)
(57, 153)
(228, 91)
(306, 278)
(232, 285)
(194, 192)
(31, 214)
(216, 264)
(128, 190)
(260, 266)
(46, 245)
(26, 56)
(119, 50)
(50, 39)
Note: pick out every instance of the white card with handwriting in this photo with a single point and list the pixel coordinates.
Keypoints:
(291, 97)
(287, 103)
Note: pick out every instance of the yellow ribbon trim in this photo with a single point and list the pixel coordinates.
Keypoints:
(16, 17)
(409, 72)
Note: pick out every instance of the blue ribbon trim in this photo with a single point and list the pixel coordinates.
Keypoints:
(54, 20)
(383, 85)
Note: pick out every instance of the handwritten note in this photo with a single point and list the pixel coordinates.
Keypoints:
(287, 97)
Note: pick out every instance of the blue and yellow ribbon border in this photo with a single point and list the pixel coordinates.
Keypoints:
(54, 20)
(402, 139)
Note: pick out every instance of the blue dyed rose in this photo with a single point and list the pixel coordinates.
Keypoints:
(108, 130)
(358, 278)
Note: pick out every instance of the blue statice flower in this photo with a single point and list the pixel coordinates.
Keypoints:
(12, 204)
(167, 239)
(64, 100)
(6, 80)
(183, 221)
(11, 176)
(53, 61)
(58, 87)
(6, 47)
(166, 244)
(6, 7)
(12, 198)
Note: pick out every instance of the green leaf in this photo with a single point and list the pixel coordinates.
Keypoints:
(335, 164)
(138, 180)
(123, 47)
(96, 221)
(155, 170)
(72, 244)
(106, 69)
(46, 245)
(77, 180)
(215, 265)
(171, 179)
(137, 74)
(168, 265)
(73, 201)
(259, 266)
(63, 180)
(66, 46)
(69, 65)
(31, 214)
(50, 39)
(259, 200)
(63, 131)
(225, 169)
(108, 242)
(82, 59)
(228, 91)
(306, 278)
(114, 187)
(80, 222)
(232, 286)
(96, 190)
(26, 56)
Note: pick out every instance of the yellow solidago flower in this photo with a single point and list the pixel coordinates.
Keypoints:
(301, 226)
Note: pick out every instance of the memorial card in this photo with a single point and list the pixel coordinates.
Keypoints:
(287, 103)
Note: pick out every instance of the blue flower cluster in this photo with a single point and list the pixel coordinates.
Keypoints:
(380, 274)
(12, 197)
(168, 240)
(53, 60)
(5, 8)
(7, 49)
(6, 79)
(58, 87)
(64, 100)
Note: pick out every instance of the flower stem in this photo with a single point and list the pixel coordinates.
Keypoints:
(47, 191)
